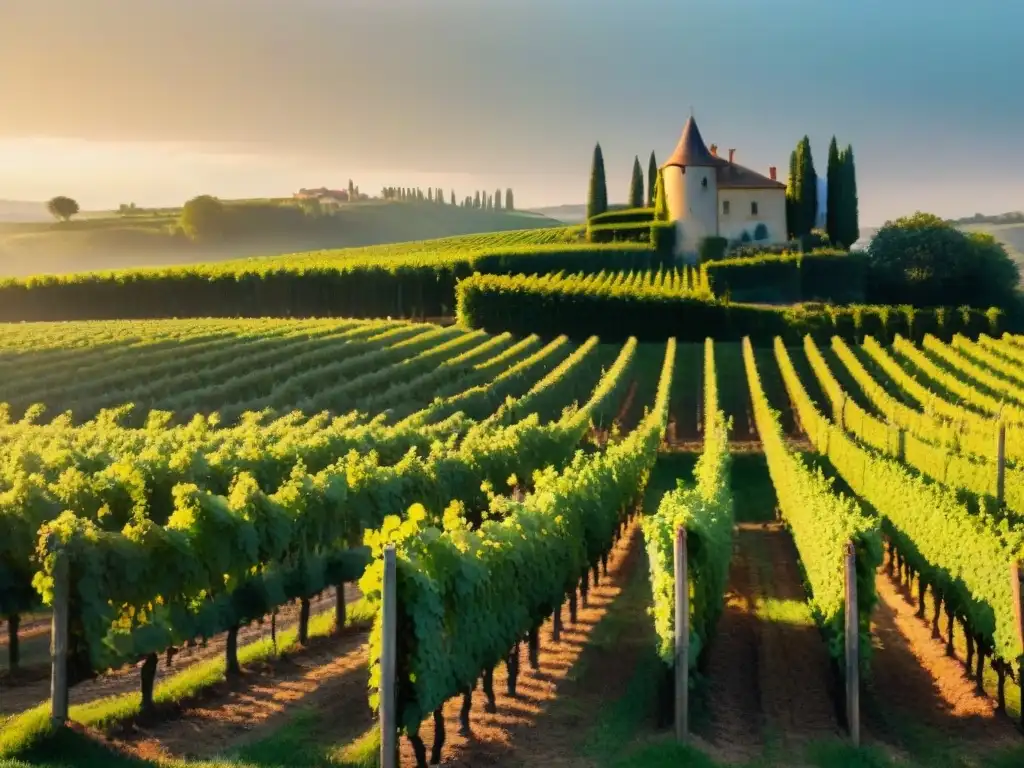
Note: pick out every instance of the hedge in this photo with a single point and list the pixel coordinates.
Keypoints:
(420, 286)
(823, 275)
(566, 305)
(624, 216)
(609, 233)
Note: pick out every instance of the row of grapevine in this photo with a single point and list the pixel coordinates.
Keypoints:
(988, 352)
(706, 511)
(955, 384)
(974, 432)
(220, 561)
(953, 359)
(821, 522)
(963, 555)
(468, 594)
(952, 469)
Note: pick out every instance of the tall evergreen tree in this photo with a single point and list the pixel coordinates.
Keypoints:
(453, 197)
(834, 192)
(792, 213)
(597, 197)
(809, 187)
(430, 195)
(509, 201)
(497, 199)
(652, 180)
(476, 199)
(636, 185)
(802, 190)
(660, 199)
(849, 223)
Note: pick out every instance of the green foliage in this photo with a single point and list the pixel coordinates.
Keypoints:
(964, 555)
(802, 190)
(712, 249)
(204, 218)
(654, 306)
(663, 237)
(914, 448)
(636, 185)
(834, 190)
(597, 196)
(924, 261)
(760, 232)
(848, 223)
(612, 233)
(822, 523)
(467, 594)
(652, 175)
(62, 208)
(407, 280)
(706, 512)
(623, 216)
(660, 199)
(824, 275)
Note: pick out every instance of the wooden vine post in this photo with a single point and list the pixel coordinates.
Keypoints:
(1001, 463)
(59, 642)
(389, 616)
(1017, 585)
(682, 638)
(852, 647)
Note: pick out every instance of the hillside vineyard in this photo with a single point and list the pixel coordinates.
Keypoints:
(190, 477)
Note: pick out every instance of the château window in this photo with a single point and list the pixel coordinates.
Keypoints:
(704, 182)
(753, 209)
(725, 207)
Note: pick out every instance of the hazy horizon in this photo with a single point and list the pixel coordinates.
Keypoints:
(112, 102)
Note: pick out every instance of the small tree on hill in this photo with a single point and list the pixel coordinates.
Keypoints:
(509, 202)
(660, 200)
(62, 208)
(636, 185)
(204, 218)
(652, 180)
(597, 197)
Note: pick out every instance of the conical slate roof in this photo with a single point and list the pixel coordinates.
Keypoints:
(691, 149)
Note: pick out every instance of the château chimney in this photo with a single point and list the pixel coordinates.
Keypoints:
(732, 154)
(714, 150)
(772, 173)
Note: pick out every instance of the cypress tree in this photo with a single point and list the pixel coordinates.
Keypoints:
(834, 193)
(809, 188)
(792, 212)
(453, 197)
(660, 200)
(497, 199)
(652, 180)
(597, 198)
(636, 185)
(476, 199)
(430, 195)
(509, 204)
(849, 222)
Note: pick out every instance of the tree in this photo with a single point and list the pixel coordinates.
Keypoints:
(453, 197)
(430, 195)
(925, 261)
(660, 199)
(834, 192)
(509, 201)
(204, 218)
(476, 199)
(351, 190)
(497, 199)
(597, 198)
(62, 208)
(652, 180)
(802, 190)
(849, 217)
(636, 185)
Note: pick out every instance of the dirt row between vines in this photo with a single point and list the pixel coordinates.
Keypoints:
(18, 696)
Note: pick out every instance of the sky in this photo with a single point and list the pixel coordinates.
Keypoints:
(155, 101)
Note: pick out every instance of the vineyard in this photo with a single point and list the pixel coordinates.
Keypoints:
(203, 514)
